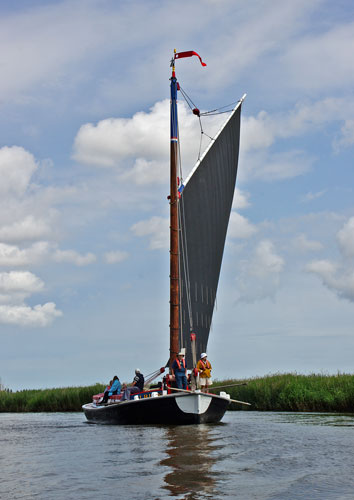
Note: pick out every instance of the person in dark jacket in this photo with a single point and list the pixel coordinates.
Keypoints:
(179, 370)
(137, 385)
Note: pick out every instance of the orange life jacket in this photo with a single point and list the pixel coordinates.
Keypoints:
(206, 365)
(179, 363)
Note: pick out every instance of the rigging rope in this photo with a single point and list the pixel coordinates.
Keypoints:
(149, 378)
(213, 112)
(184, 251)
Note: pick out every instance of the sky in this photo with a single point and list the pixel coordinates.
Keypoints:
(84, 167)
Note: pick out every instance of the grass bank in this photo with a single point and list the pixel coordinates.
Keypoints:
(293, 392)
(280, 392)
(63, 399)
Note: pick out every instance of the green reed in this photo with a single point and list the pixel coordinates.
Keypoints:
(294, 392)
(279, 392)
(61, 399)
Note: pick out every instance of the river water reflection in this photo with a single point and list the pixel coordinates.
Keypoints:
(250, 455)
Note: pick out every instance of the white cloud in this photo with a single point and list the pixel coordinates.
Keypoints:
(44, 42)
(11, 255)
(303, 244)
(270, 167)
(335, 277)
(28, 228)
(260, 275)
(324, 268)
(310, 196)
(257, 132)
(116, 256)
(156, 228)
(15, 286)
(241, 199)
(240, 227)
(106, 144)
(345, 238)
(138, 147)
(266, 261)
(320, 61)
(146, 172)
(16, 169)
(73, 257)
(20, 281)
(271, 29)
(260, 132)
(346, 137)
(39, 315)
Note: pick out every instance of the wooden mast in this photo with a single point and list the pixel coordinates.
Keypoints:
(174, 229)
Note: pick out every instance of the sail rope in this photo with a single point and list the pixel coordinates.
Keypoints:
(212, 112)
(149, 378)
(184, 249)
(216, 111)
(196, 112)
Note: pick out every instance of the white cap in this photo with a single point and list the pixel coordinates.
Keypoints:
(137, 370)
(203, 355)
(181, 353)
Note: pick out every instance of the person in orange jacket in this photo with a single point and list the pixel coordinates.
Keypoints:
(204, 370)
(179, 370)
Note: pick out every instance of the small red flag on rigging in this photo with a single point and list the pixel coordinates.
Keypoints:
(189, 53)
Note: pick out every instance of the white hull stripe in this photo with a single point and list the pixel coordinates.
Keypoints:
(196, 404)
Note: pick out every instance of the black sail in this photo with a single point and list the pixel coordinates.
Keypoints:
(205, 207)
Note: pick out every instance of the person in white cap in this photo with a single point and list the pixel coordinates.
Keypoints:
(137, 385)
(179, 370)
(204, 370)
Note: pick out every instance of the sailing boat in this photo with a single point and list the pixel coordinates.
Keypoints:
(200, 210)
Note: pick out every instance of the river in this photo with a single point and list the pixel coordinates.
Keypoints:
(249, 456)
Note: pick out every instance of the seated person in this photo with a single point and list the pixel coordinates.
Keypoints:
(115, 389)
(137, 385)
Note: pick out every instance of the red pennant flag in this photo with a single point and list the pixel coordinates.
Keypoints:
(189, 53)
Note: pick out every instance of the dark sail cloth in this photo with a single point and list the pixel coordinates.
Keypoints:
(205, 206)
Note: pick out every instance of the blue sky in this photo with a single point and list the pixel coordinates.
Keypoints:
(84, 149)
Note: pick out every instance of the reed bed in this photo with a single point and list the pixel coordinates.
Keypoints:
(279, 392)
(294, 392)
(48, 400)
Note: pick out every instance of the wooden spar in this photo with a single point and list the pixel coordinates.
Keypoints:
(223, 386)
(174, 271)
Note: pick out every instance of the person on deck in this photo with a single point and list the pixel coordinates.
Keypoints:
(114, 389)
(137, 385)
(204, 370)
(107, 389)
(179, 370)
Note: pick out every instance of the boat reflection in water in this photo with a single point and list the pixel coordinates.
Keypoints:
(191, 456)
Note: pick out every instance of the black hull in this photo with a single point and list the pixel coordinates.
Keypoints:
(173, 409)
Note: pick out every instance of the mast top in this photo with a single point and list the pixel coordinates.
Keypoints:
(178, 55)
(173, 63)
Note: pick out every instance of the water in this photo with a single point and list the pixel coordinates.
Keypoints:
(249, 456)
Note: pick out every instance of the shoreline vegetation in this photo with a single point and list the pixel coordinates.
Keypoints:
(279, 392)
